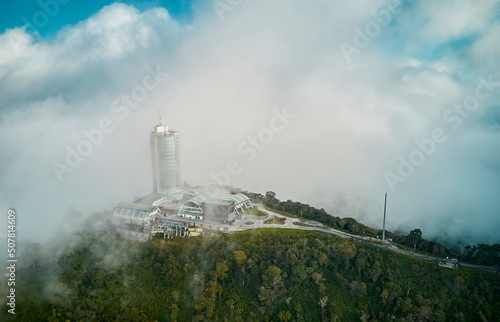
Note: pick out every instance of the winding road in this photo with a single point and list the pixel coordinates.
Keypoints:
(295, 223)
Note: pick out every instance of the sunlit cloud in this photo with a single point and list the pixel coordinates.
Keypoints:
(226, 77)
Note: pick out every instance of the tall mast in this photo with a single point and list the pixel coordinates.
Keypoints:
(385, 207)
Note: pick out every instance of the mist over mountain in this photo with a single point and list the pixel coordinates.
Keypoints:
(327, 103)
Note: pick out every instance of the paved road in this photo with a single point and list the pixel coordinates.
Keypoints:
(291, 223)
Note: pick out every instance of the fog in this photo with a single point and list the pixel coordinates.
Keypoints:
(287, 93)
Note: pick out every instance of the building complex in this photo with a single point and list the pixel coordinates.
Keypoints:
(170, 209)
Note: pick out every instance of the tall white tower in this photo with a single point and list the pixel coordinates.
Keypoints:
(166, 159)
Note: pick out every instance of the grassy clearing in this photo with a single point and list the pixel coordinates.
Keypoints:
(255, 211)
(275, 220)
(286, 214)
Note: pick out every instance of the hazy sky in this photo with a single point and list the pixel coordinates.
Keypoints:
(331, 103)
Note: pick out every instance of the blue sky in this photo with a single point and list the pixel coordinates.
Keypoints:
(16, 13)
(356, 115)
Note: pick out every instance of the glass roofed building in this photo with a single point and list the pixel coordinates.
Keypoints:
(193, 207)
(241, 202)
(217, 209)
(132, 219)
(133, 212)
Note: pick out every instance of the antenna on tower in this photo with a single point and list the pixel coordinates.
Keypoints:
(159, 112)
(385, 207)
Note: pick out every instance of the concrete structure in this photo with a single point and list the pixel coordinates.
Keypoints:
(166, 160)
(131, 220)
(218, 210)
(448, 264)
(173, 228)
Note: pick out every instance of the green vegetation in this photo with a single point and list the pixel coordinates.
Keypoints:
(275, 220)
(269, 275)
(249, 223)
(283, 213)
(481, 254)
(307, 212)
(255, 211)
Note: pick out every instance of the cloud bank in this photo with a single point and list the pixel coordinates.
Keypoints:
(356, 117)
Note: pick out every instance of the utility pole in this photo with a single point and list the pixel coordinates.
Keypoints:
(383, 227)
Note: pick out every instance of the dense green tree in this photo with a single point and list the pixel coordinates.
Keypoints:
(285, 316)
(240, 257)
(103, 278)
(414, 238)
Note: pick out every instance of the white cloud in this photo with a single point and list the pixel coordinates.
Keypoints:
(225, 78)
(14, 43)
(453, 19)
(487, 49)
(443, 21)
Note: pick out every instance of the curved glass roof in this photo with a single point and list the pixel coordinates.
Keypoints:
(238, 198)
(130, 213)
(198, 200)
(133, 210)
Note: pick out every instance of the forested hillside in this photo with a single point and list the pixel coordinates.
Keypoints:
(265, 274)
(482, 254)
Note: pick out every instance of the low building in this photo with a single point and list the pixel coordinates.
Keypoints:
(218, 210)
(201, 207)
(130, 212)
(448, 264)
(133, 220)
(193, 208)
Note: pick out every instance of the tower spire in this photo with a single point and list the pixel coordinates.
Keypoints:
(159, 112)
